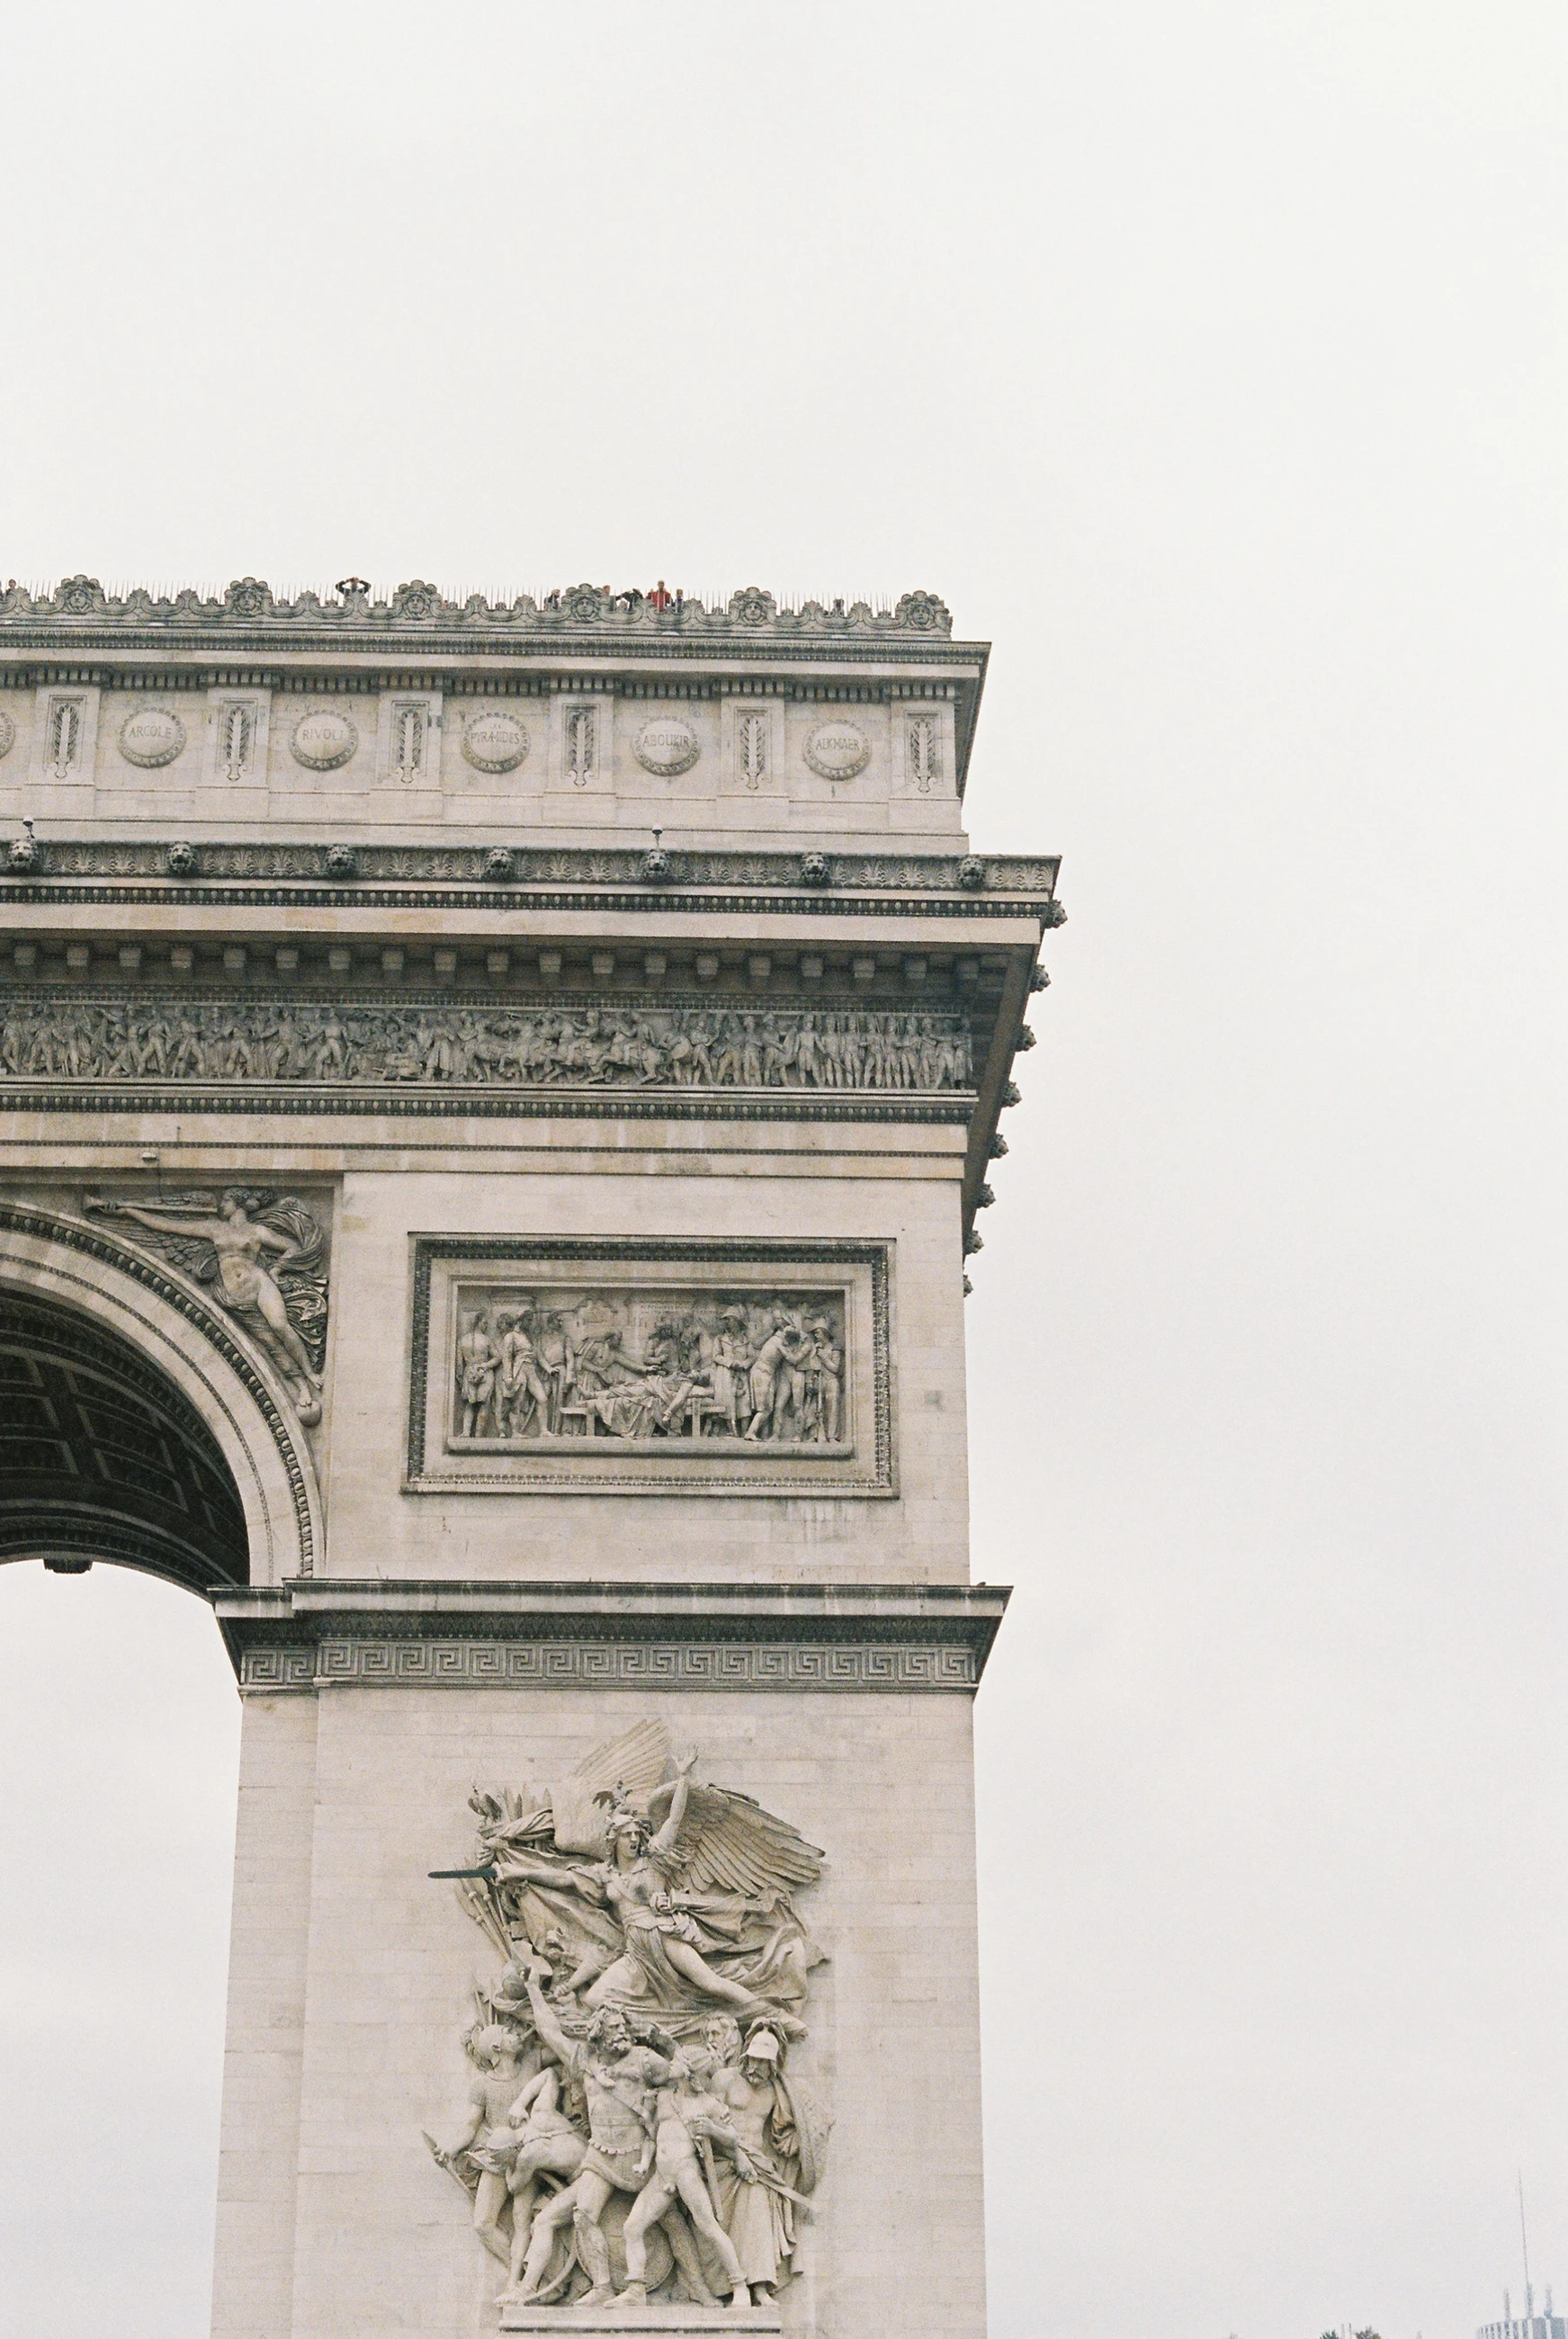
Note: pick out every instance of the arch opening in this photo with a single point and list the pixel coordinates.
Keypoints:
(101, 1456)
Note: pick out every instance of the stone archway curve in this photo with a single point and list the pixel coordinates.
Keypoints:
(70, 1264)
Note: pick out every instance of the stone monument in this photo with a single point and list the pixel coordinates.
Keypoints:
(495, 1102)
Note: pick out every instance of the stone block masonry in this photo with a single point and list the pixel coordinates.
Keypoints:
(493, 1107)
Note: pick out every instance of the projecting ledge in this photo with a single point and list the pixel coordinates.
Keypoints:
(669, 2319)
(315, 1633)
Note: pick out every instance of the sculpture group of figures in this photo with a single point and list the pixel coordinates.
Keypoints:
(722, 1366)
(263, 1257)
(633, 2131)
(593, 1047)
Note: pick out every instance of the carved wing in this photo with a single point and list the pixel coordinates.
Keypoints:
(728, 1843)
(634, 1761)
(193, 1254)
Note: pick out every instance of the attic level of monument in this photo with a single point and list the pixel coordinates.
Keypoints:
(412, 714)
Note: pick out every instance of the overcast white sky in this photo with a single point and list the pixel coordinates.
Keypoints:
(1209, 359)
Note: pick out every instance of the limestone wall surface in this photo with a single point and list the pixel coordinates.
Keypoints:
(917, 1534)
(380, 2242)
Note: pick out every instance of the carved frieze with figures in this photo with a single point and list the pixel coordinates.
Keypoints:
(679, 1367)
(169, 1043)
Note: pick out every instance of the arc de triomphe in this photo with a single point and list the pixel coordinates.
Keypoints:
(495, 1100)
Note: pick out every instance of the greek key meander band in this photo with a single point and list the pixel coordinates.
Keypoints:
(613, 1664)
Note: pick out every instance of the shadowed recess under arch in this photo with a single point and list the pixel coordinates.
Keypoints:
(102, 1457)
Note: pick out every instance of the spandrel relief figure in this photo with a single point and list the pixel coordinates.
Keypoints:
(265, 1257)
(651, 2144)
(705, 1366)
(241, 1042)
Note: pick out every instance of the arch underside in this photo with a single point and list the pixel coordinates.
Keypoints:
(103, 1457)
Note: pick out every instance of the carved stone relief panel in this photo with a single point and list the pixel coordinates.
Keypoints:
(149, 1043)
(678, 1368)
(582, 742)
(150, 736)
(238, 723)
(645, 2023)
(838, 750)
(495, 740)
(65, 735)
(923, 751)
(322, 739)
(259, 1254)
(667, 744)
(409, 740)
(754, 747)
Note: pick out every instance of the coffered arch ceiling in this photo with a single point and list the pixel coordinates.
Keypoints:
(103, 1457)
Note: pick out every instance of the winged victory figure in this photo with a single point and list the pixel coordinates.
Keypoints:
(685, 1908)
(264, 1256)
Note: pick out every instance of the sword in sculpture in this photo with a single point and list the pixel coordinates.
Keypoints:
(776, 2185)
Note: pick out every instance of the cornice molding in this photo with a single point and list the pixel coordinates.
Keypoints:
(528, 878)
(421, 616)
(484, 1104)
(863, 1638)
